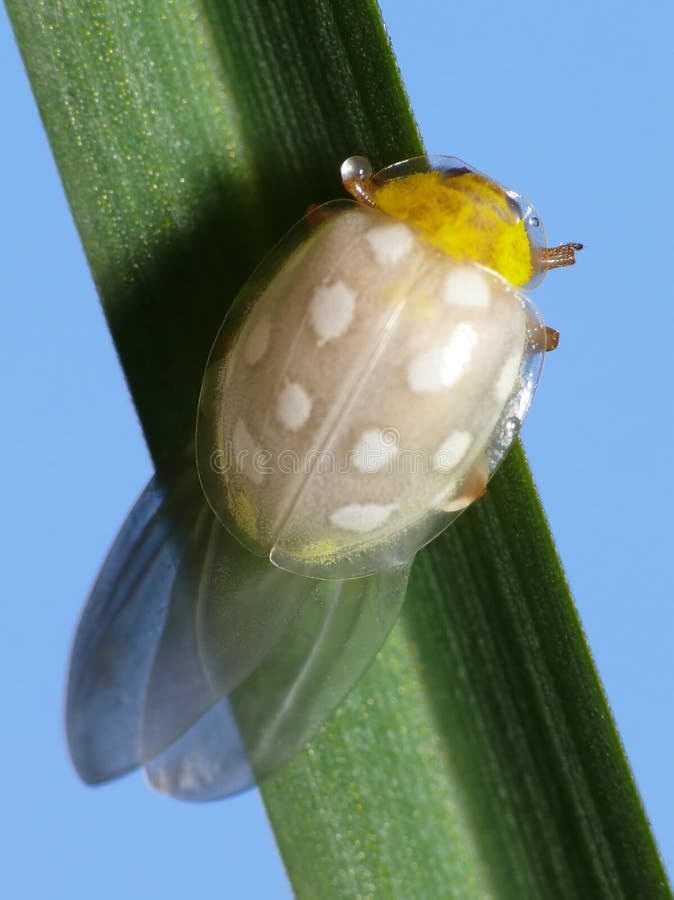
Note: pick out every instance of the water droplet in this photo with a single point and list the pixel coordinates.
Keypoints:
(356, 168)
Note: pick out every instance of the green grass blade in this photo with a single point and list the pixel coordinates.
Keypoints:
(478, 757)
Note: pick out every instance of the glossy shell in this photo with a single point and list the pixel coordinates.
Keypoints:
(360, 393)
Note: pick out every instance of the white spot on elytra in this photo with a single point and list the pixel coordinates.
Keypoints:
(440, 368)
(376, 449)
(467, 286)
(332, 308)
(293, 406)
(257, 343)
(246, 453)
(361, 517)
(390, 243)
(452, 451)
(505, 382)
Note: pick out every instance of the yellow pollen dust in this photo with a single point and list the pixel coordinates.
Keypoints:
(467, 216)
(318, 551)
(244, 513)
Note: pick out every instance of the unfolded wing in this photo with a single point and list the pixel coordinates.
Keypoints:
(205, 663)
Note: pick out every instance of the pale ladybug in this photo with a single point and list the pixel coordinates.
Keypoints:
(374, 371)
(367, 382)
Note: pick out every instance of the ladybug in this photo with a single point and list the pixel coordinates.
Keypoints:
(369, 379)
(374, 371)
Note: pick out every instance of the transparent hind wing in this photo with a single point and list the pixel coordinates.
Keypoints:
(121, 629)
(342, 626)
(337, 629)
(136, 682)
(263, 604)
(178, 693)
(209, 762)
(239, 605)
(205, 663)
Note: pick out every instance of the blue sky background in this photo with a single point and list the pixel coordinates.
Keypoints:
(570, 105)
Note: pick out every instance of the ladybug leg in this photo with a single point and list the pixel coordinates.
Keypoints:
(548, 340)
(473, 487)
(551, 339)
(557, 257)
